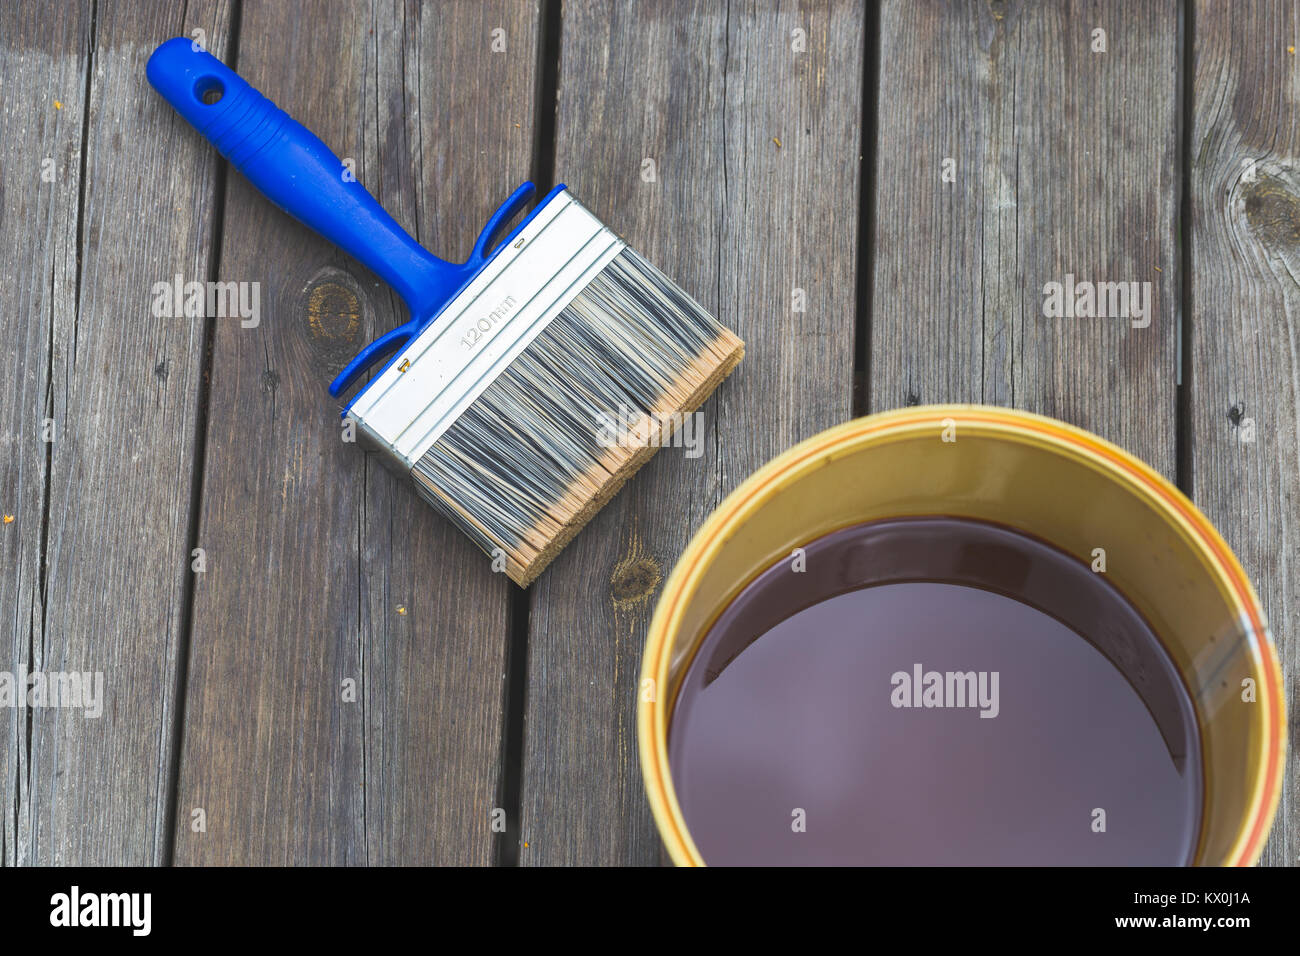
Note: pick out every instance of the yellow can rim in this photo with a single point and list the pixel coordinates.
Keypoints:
(762, 485)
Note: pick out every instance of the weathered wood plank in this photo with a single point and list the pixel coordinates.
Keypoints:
(42, 59)
(1065, 163)
(321, 567)
(129, 205)
(1245, 312)
(740, 221)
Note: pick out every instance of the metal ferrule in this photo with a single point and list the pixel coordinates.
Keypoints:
(441, 372)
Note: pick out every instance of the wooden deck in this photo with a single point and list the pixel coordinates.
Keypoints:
(795, 146)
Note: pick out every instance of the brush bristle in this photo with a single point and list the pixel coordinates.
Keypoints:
(527, 464)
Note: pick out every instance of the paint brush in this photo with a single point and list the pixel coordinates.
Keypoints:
(530, 381)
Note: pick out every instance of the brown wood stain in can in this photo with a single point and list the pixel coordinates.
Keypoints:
(935, 690)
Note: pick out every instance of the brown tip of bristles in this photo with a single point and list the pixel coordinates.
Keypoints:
(590, 492)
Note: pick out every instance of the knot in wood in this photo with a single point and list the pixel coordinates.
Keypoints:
(333, 306)
(634, 580)
(1273, 212)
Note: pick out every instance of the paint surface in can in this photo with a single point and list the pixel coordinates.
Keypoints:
(935, 690)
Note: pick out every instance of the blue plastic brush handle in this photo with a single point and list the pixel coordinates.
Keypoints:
(299, 173)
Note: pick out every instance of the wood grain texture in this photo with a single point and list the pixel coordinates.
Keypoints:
(322, 568)
(739, 221)
(130, 205)
(1245, 312)
(1066, 163)
(41, 59)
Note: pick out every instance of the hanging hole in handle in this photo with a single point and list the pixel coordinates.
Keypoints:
(209, 90)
